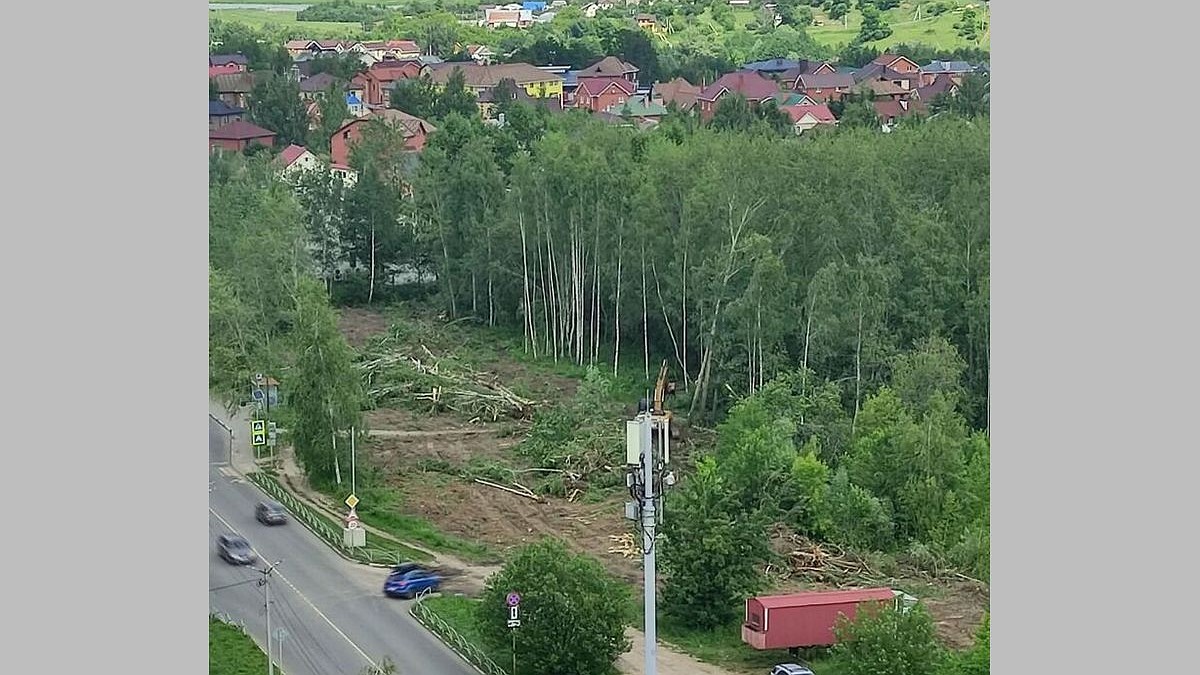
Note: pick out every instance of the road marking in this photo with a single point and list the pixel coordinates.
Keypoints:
(297, 591)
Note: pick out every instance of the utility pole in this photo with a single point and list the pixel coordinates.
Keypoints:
(353, 484)
(265, 583)
(649, 525)
(647, 455)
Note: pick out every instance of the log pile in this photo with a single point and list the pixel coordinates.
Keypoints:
(624, 545)
(444, 383)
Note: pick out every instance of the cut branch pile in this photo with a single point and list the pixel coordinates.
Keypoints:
(624, 545)
(442, 382)
(825, 563)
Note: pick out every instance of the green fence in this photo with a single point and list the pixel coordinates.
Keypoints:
(452, 638)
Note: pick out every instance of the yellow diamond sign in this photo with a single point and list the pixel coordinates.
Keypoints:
(352, 501)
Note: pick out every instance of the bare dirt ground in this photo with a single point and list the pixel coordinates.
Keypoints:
(360, 325)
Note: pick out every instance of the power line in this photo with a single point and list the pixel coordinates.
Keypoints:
(236, 583)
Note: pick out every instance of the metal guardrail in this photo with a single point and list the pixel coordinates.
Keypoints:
(320, 526)
(228, 620)
(453, 639)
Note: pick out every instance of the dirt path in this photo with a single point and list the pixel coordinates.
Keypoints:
(670, 661)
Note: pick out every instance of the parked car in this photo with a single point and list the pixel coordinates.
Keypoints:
(791, 669)
(407, 580)
(270, 513)
(235, 550)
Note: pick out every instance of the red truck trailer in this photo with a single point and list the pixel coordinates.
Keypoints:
(804, 619)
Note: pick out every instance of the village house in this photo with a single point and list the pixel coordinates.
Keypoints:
(508, 18)
(481, 54)
(754, 87)
(537, 83)
(239, 135)
(953, 70)
(221, 113)
(943, 83)
(678, 91)
(825, 87)
(805, 117)
(235, 88)
(377, 81)
(611, 66)
(890, 111)
(646, 22)
(641, 108)
(238, 63)
(314, 87)
(414, 129)
(296, 159)
(602, 93)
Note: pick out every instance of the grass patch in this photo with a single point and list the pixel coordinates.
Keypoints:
(937, 31)
(459, 612)
(260, 19)
(376, 544)
(232, 652)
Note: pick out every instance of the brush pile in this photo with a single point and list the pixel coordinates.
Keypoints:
(439, 385)
(823, 563)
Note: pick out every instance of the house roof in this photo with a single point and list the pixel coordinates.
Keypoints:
(886, 88)
(235, 83)
(820, 111)
(596, 85)
(748, 83)
(229, 69)
(317, 83)
(241, 130)
(793, 98)
(485, 77)
(679, 91)
(812, 598)
(890, 60)
(941, 83)
(889, 108)
(409, 125)
(608, 66)
(226, 59)
(222, 109)
(403, 46)
(773, 65)
(291, 153)
(639, 105)
(824, 81)
(299, 44)
(947, 67)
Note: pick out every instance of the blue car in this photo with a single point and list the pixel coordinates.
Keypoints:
(409, 580)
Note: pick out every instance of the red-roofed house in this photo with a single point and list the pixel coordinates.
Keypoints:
(481, 54)
(755, 87)
(678, 91)
(900, 64)
(890, 111)
(296, 158)
(239, 135)
(824, 87)
(805, 117)
(611, 66)
(414, 129)
(600, 93)
(403, 49)
(227, 69)
(377, 81)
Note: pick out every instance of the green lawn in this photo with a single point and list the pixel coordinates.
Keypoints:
(459, 613)
(936, 31)
(232, 652)
(259, 18)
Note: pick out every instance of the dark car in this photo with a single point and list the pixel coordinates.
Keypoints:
(235, 550)
(791, 669)
(410, 579)
(270, 513)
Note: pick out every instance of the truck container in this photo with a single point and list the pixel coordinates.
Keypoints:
(804, 619)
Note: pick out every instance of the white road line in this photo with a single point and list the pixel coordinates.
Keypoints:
(310, 604)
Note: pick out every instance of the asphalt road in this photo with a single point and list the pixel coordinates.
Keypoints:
(336, 618)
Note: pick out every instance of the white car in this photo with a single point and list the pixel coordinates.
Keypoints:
(791, 669)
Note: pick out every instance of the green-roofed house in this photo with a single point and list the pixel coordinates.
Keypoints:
(639, 107)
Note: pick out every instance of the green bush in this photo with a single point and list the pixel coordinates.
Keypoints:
(884, 640)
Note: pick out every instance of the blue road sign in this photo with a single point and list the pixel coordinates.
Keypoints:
(512, 600)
